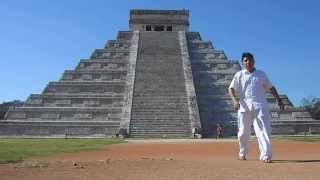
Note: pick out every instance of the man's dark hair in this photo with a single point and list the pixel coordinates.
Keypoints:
(247, 55)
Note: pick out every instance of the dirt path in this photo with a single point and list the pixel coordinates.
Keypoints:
(173, 159)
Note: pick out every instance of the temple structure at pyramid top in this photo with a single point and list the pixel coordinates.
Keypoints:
(159, 20)
(157, 79)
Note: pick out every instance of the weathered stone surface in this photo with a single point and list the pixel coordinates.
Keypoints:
(127, 106)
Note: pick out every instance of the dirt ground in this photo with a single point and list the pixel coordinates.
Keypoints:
(173, 159)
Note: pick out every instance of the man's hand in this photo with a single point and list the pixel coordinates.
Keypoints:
(235, 100)
(276, 95)
(236, 104)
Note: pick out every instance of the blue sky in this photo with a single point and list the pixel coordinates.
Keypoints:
(39, 39)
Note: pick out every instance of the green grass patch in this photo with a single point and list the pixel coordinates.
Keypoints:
(301, 138)
(15, 150)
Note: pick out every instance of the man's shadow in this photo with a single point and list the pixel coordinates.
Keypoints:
(296, 161)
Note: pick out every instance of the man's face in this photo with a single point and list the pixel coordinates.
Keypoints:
(248, 64)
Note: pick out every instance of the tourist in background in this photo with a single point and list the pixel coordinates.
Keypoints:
(219, 130)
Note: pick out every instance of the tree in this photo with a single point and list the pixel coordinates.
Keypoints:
(312, 105)
(4, 107)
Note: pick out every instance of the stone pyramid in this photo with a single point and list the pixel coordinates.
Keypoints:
(155, 80)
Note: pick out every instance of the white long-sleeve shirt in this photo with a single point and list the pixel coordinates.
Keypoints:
(251, 89)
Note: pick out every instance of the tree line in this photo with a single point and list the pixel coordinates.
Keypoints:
(312, 105)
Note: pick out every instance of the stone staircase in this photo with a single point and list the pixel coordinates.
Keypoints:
(160, 104)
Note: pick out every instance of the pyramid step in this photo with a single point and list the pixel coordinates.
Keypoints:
(160, 136)
(97, 75)
(64, 113)
(126, 35)
(145, 131)
(106, 101)
(108, 54)
(159, 113)
(165, 124)
(104, 64)
(85, 87)
(171, 128)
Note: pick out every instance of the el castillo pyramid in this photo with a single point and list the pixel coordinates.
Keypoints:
(155, 80)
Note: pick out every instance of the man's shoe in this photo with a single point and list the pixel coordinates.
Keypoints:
(267, 161)
(242, 158)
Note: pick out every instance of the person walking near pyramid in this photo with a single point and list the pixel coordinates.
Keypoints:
(248, 92)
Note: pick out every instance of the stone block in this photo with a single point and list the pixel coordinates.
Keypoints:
(91, 103)
(78, 131)
(81, 116)
(63, 102)
(275, 115)
(17, 115)
(50, 116)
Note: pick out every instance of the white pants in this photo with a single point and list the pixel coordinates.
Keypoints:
(261, 119)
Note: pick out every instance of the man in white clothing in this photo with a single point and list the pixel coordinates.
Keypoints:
(248, 92)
